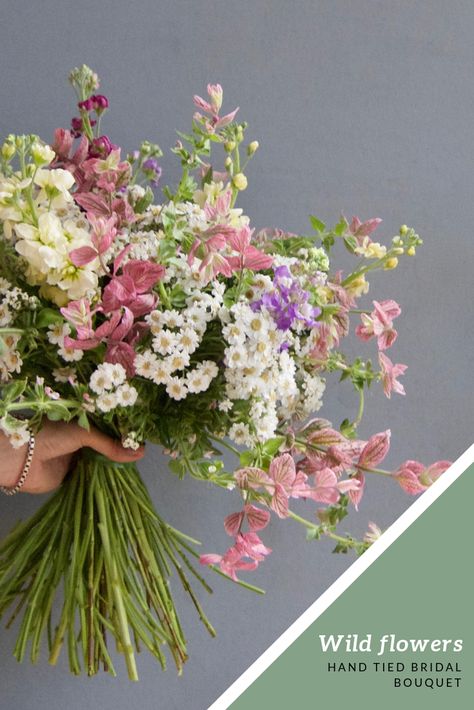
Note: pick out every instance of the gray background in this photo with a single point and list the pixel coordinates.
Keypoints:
(365, 107)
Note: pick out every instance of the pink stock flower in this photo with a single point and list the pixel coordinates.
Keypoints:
(390, 372)
(415, 478)
(379, 324)
(248, 256)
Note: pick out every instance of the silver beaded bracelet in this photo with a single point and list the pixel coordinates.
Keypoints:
(25, 471)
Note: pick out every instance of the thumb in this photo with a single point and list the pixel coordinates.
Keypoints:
(111, 448)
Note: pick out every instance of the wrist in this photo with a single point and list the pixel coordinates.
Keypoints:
(11, 462)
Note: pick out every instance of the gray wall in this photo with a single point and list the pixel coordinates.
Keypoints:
(362, 106)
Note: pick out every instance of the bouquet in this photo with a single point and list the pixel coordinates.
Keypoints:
(173, 322)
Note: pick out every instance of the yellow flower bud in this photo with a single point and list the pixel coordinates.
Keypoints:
(358, 287)
(239, 181)
(8, 150)
(391, 263)
(403, 229)
(229, 146)
(228, 162)
(398, 250)
(252, 147)
(411, 251)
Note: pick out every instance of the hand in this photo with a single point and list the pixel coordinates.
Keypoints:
(54, 448)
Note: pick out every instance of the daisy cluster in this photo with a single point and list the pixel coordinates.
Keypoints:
(109, 383)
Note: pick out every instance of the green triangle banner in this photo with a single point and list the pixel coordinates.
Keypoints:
(400, 635)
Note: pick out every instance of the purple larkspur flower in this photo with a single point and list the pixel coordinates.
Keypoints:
(288, 302)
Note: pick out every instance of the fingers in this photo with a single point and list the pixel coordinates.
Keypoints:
(111, 448)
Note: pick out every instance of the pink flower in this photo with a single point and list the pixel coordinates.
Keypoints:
(250, 545)
(248, 256)
(363, 229)
(103, 234)
(390, 372)
(375, 450)
(415, 478)
(328, 489)
(380, 324)
(79, 314)
(284, 482)
(129, 289)
(257, 519)
(230, 563)
(212, 107)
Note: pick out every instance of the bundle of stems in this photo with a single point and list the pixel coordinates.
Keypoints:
(99, 541)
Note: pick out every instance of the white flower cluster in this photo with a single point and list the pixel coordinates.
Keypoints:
(10, 359)
(109, 383)
(53, 227)
(12, 300)
(56, 334)
(16, 430)
(131, 441)
(261, 369)
(176, 336)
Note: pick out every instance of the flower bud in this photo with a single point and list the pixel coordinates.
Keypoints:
(229, 146)
(228, 162)
(398, 250)
(42, 154)
(8, 150)
(411, 251)
(240, 133)
(252, 148)
(403, 230)
(239, 181)
(391, 263)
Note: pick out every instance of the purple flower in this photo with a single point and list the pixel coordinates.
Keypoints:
(152, 170)
(288, 302)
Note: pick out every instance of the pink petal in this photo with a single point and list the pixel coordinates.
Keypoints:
(257, 518)
(283, 470)
(210, 559)
(279, 502)
(233, 522)
(356, 496)
(82, 255)
(375, 450)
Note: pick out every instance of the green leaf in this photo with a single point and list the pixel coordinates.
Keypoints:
(12, 391)
(350, 243)
(316, 224)
(247, 458)
(48, 316)
(272, 445)
(340, 227)
(347, 429)
(83, 421)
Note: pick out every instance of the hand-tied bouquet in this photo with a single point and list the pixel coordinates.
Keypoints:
(176, 324)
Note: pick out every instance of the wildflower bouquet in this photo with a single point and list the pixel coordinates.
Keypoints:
(174, 323)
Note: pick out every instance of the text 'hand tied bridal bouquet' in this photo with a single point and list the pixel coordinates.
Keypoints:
(174, 323)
